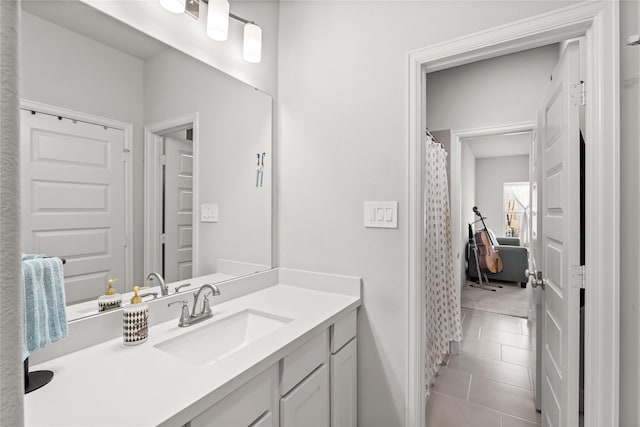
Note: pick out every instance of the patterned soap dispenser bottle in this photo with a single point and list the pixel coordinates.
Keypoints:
(111, 299)
(135, 320)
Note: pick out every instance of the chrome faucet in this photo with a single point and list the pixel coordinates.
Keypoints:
(187, 319)
(164, 289)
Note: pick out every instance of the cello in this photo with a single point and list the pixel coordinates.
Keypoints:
(488, 256)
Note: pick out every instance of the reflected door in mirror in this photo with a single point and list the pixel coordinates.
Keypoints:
(178, 209)
(72, 178)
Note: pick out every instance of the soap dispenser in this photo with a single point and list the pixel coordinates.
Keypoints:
(111, 299)
(135, 320)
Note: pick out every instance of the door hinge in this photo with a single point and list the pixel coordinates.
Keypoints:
(578, 274)
(163, 238)
(163, 159)
(578, 97)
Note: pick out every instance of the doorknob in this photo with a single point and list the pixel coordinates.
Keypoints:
(536, 278)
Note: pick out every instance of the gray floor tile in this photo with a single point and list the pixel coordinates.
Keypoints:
(488, 350)
(505, 398)
(516, 355)
(452, 383)
(514, 340)
(496, 370)
(445, 411)
(509, 421)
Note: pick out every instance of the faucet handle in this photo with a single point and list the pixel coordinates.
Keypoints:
(206, 308)
(185, 317)
(184, 285)
(149, 294)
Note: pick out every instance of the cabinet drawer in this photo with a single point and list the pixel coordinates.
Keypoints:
(343, 330)
(245, 405)
(297, 365)
(307, 405)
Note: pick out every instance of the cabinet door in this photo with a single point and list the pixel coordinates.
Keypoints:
(307, 405)
(344, 386)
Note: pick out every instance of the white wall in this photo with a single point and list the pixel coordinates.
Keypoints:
(343, 140)
(629, 208)
(499, 91)
(189, 36)
(65, 69)
(467, 201)
(491, 174)
(234, 125)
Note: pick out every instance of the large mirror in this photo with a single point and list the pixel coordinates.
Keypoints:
(136, 158)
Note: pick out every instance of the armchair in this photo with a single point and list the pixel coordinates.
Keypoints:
(515, 260)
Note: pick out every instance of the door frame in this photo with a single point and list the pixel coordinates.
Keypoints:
(127, 130)
(598, 22)
(153, 139)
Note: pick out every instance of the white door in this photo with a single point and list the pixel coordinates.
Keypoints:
(559, 140)
(72, 183)
(178, 210)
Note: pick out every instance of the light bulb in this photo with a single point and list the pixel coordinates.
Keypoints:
(252, 45)
(175, 6)
(218, 20)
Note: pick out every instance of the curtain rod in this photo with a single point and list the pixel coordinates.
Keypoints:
(430, 135)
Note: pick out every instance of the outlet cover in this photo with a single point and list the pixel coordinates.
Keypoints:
(209, 212)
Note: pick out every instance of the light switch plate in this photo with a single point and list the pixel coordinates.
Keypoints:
(209, 212)
(381, 214)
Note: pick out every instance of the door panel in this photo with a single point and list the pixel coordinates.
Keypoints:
(72, 178)
(178, 210)
(560, 242)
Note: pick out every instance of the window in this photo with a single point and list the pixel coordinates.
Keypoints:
(515, 205)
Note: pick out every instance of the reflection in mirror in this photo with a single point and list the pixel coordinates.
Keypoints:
(136, 158)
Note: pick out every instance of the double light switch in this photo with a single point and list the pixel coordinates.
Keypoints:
(381, 214)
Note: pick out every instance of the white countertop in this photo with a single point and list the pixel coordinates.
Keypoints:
(113, 385)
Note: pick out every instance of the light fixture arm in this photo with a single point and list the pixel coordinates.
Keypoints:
(240, 19)
(231, 15)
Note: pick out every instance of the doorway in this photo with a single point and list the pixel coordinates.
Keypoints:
(171, 229)
(494, 178)
(597, 22)
(490, 193)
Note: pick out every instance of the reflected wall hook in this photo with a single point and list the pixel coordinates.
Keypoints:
(262, 168)
(258, 170)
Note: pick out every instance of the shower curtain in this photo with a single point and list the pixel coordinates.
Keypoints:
(442, 302)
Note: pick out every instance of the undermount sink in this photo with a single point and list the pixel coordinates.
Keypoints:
(222, 338)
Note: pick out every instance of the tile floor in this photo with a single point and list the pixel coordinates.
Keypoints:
(489, 383)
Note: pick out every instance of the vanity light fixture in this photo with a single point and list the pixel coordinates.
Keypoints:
(218, 16)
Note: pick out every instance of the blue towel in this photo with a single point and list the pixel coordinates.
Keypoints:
(45, 315)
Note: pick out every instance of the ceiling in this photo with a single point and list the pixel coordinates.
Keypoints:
(89, 22)
(515, 144)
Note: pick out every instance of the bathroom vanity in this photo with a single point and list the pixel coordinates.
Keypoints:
(282, 354)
